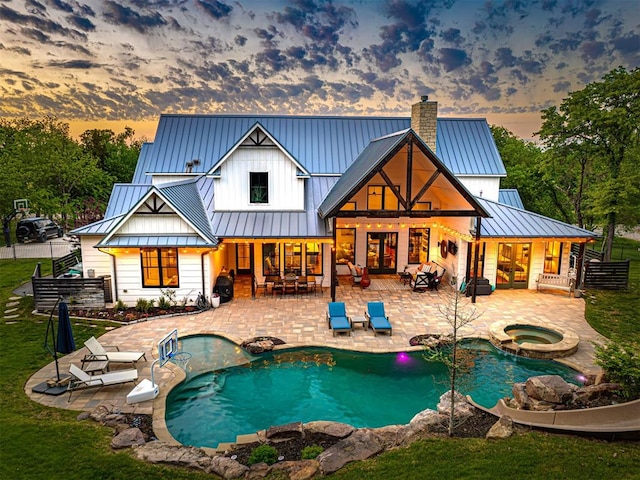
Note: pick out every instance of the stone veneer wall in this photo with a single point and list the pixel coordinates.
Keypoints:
(423, 121)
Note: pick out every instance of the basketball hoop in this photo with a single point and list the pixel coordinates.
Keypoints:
(181, 359)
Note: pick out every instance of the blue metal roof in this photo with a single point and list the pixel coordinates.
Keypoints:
(368, 162)
(510, 196)
(507, 221)
(101, 227)
(280, 224)
(323, 145)
(466, 147)
(123, 197)
(145, 157)
(141, 241)
(185, 198)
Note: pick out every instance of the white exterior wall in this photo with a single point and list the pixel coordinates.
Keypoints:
(489, 186)
(145, 224)
(94, 259)
(286, 190)
(128, 266)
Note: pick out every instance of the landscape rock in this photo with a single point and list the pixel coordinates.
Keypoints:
(520, 396)
(281, 432)
(112, 419)
(360, 445)
(461, 406)
(259, 347)
(503, 428)
(99, 413)
(160, 452)
(597, 394)
(128, 438)
(257, 471)
(226, 468)
(302, 470)
(389, 435)
(83, 416)
(549, 388)
(334, 429)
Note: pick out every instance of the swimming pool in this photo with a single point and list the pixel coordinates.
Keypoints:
(228, 392)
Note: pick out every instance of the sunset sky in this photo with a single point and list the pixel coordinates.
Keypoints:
(111, 63)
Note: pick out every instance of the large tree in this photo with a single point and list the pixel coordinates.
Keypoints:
(596, 129)
(524, 161)
(116, 154)
(39, 161)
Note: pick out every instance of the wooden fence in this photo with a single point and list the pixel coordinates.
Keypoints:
(77, 292)
(63, 264)
(606, 275)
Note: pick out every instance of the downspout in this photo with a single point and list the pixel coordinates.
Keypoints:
(115, 275)
(476, 259)
(204, 292)
(334, 273)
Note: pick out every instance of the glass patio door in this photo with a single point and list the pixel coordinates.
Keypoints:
(382, 250)
(243, 258)
(513, 265)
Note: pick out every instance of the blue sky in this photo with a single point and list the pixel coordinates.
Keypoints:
(110, 63)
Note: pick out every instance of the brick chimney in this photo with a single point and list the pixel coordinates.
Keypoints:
(423, 120)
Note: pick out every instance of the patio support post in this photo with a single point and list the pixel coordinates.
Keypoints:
(579, 266)
(252, 269)
(475, 260)
(333, 262)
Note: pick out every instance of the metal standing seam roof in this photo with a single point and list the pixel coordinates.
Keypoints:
(101, 227)
(323, 145)
(466, 146)
(144, 159)
(279, 224)
(369, 160)
(142, 241)
(507, 221)
(123, 197)
(510, 196)
(185, 198)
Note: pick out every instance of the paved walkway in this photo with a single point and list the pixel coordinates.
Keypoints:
(302, 321)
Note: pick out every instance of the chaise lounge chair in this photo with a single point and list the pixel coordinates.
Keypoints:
(337, 318)
(98, 352)
(81, 379)
(378, 321)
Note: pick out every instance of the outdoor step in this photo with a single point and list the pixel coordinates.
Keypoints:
(10, 316)
(13, 304)
(15, 298)
(10, 310)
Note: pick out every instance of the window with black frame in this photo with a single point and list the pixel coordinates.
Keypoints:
(293, 258)
(345, 245)
(313, 258)
(159, 267)
(271, 259)
(258, 187)
(418, 245)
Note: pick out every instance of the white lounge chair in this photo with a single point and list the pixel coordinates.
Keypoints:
(81, 379)
(99, 352)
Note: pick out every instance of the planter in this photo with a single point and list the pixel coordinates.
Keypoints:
(215, 300)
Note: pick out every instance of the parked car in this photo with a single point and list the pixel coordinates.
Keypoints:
(38, 228)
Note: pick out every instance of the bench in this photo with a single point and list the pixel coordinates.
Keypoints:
(555, 281)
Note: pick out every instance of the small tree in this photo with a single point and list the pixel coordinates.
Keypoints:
(458, 312)
(620, 360)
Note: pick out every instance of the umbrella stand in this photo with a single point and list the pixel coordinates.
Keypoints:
(57, 385)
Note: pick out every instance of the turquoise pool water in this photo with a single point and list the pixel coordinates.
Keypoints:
(227, 392)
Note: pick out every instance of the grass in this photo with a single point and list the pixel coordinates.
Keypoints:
(38, 442)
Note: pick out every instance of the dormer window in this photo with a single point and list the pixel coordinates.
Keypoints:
(258, 187)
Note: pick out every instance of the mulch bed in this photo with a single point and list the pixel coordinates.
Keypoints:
(475, 426)
(130, 315)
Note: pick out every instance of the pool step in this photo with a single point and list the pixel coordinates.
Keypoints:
(223, 448)
(249, 438)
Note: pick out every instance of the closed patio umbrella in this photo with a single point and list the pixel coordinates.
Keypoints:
(63, 344)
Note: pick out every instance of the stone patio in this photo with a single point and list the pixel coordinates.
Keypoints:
(301, 321)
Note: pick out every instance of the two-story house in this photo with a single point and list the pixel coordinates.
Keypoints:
(266, 194)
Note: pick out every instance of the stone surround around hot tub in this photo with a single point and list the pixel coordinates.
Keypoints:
(567, 346)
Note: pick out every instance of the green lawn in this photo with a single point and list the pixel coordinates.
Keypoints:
(38, 442)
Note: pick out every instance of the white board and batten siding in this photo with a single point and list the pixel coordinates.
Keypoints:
(130, 279)
(286, 189)
(148, 224)
(484, 187)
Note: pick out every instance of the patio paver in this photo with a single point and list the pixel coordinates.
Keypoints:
(301, 321)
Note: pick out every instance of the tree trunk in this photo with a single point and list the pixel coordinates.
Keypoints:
(611, 230)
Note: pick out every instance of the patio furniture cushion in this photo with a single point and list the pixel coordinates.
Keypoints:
(378, 320)
(337, 318)
(99, 352)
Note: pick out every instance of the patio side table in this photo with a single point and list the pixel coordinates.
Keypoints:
(359, 320)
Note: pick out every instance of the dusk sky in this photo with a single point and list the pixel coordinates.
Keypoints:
(111, 63)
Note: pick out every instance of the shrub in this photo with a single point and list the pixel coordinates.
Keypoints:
(620, 359)
(168, 296)
(120, 306)
(143, 305)
(164, 303)
(263, 453)
(311, 452)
